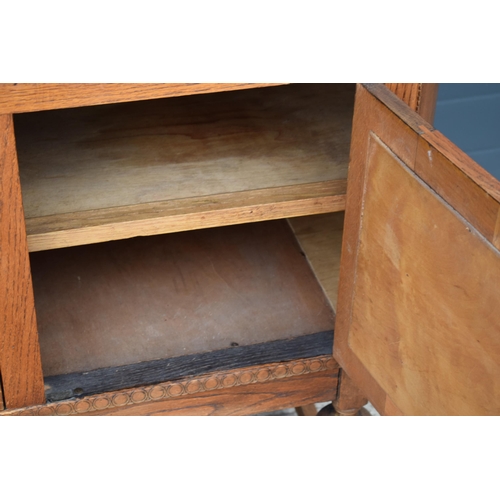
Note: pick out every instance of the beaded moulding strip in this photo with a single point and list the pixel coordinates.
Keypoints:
(179, 388)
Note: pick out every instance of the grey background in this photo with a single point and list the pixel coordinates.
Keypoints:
(469, 115)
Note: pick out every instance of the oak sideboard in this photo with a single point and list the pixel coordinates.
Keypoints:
(224, 249)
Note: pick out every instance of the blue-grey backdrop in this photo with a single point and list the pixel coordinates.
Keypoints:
(469, 115)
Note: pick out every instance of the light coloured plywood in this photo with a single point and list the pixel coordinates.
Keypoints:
(320, 237)
(164, 296)
(417, 329)
(95, 162)
(425, 317)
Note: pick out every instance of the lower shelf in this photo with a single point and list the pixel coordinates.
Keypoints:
(142, 302)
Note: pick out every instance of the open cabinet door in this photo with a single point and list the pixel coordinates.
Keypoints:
(418, 323)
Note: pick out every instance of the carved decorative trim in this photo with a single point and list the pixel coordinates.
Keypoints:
(419, 98)
(179, 388)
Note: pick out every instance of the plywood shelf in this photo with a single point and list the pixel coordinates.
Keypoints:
(124, 302)
(111, 172)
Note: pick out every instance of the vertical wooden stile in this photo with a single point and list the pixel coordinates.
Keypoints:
(421, 97)
(407, 92)
(20, 365)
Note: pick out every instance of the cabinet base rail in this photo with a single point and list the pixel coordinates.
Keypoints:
(66, 386)
(244, 391)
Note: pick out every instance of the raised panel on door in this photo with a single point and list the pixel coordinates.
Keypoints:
(418, 324)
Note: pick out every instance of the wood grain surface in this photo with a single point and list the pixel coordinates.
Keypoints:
(235, 392)
(153, 372)
(349, 399)
(435, 348)
(97, 226)
(23, 97)
(419, 321)
(196, 291)
(369, 113)
(320, 237)
(474, 202)
(307, 410)
(20, 365)
(420, 97)
(86, 168)
(428, 100)
(407, 92)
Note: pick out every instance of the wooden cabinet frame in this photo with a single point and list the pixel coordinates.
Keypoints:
(261, 387)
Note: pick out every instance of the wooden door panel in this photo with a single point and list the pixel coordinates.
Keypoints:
(417, 327)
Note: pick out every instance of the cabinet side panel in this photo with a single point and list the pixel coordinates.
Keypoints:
(20, 364)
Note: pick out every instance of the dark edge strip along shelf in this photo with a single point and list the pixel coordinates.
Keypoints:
(71, 385)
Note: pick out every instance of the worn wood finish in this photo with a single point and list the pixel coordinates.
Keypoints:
(60, 387)
(349, 399)
(307, 410)
(320, 237)
(97, 226)
(23, 97)
(420, 97)
(249, 399)
(434, 348)
(462, 162)
(477, 202)
(409, 93)
(96, 165)
(417, 318)
(376, 109)
(20, 365)
(369, 114)
(235, 392)
(428, 100)
(197, 291)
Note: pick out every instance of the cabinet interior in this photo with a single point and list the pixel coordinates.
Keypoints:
(105, 187)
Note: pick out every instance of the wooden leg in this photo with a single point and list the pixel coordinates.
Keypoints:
(349, 400)
(306, 411)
